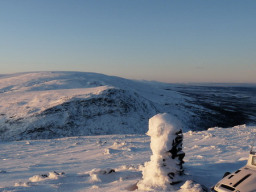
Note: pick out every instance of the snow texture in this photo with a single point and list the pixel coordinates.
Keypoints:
(164, 168)
(191, 186)
(209, 154)
(162, 130)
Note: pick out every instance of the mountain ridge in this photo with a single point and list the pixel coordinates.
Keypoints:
(40, 105)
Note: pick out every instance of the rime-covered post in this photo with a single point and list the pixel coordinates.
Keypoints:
(165, 166)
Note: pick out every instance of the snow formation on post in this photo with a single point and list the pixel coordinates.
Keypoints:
(165, 166)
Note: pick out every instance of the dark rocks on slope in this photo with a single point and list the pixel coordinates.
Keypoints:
(114, 111)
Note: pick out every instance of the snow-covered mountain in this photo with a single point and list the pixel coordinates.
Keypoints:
(57, 104)
(38, 105)
(87, 122)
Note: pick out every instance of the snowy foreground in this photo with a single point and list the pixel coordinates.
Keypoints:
(115, 162)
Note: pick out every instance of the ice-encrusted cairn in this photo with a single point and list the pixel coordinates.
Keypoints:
(165, 166)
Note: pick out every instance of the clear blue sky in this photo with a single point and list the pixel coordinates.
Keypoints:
(163, 40)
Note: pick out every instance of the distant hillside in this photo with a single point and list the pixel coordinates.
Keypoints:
(39, 105)
(57, 104)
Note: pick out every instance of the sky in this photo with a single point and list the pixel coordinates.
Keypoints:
(160, 40)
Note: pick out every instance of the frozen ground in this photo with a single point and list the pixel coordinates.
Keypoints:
(113, 162)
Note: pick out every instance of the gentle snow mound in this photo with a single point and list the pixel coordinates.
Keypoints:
(191, 186)
(51, 175)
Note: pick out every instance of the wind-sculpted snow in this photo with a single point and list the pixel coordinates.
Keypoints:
(115, 162)
(165, 168)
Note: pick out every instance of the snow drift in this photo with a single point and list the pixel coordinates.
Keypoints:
(39, 165)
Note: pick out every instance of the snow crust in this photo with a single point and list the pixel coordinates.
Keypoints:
(162, 131)
(191, 186)
(209, 154)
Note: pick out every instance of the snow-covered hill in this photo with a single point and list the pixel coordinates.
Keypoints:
(93, 128)
(40, 105)
(57, 104)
